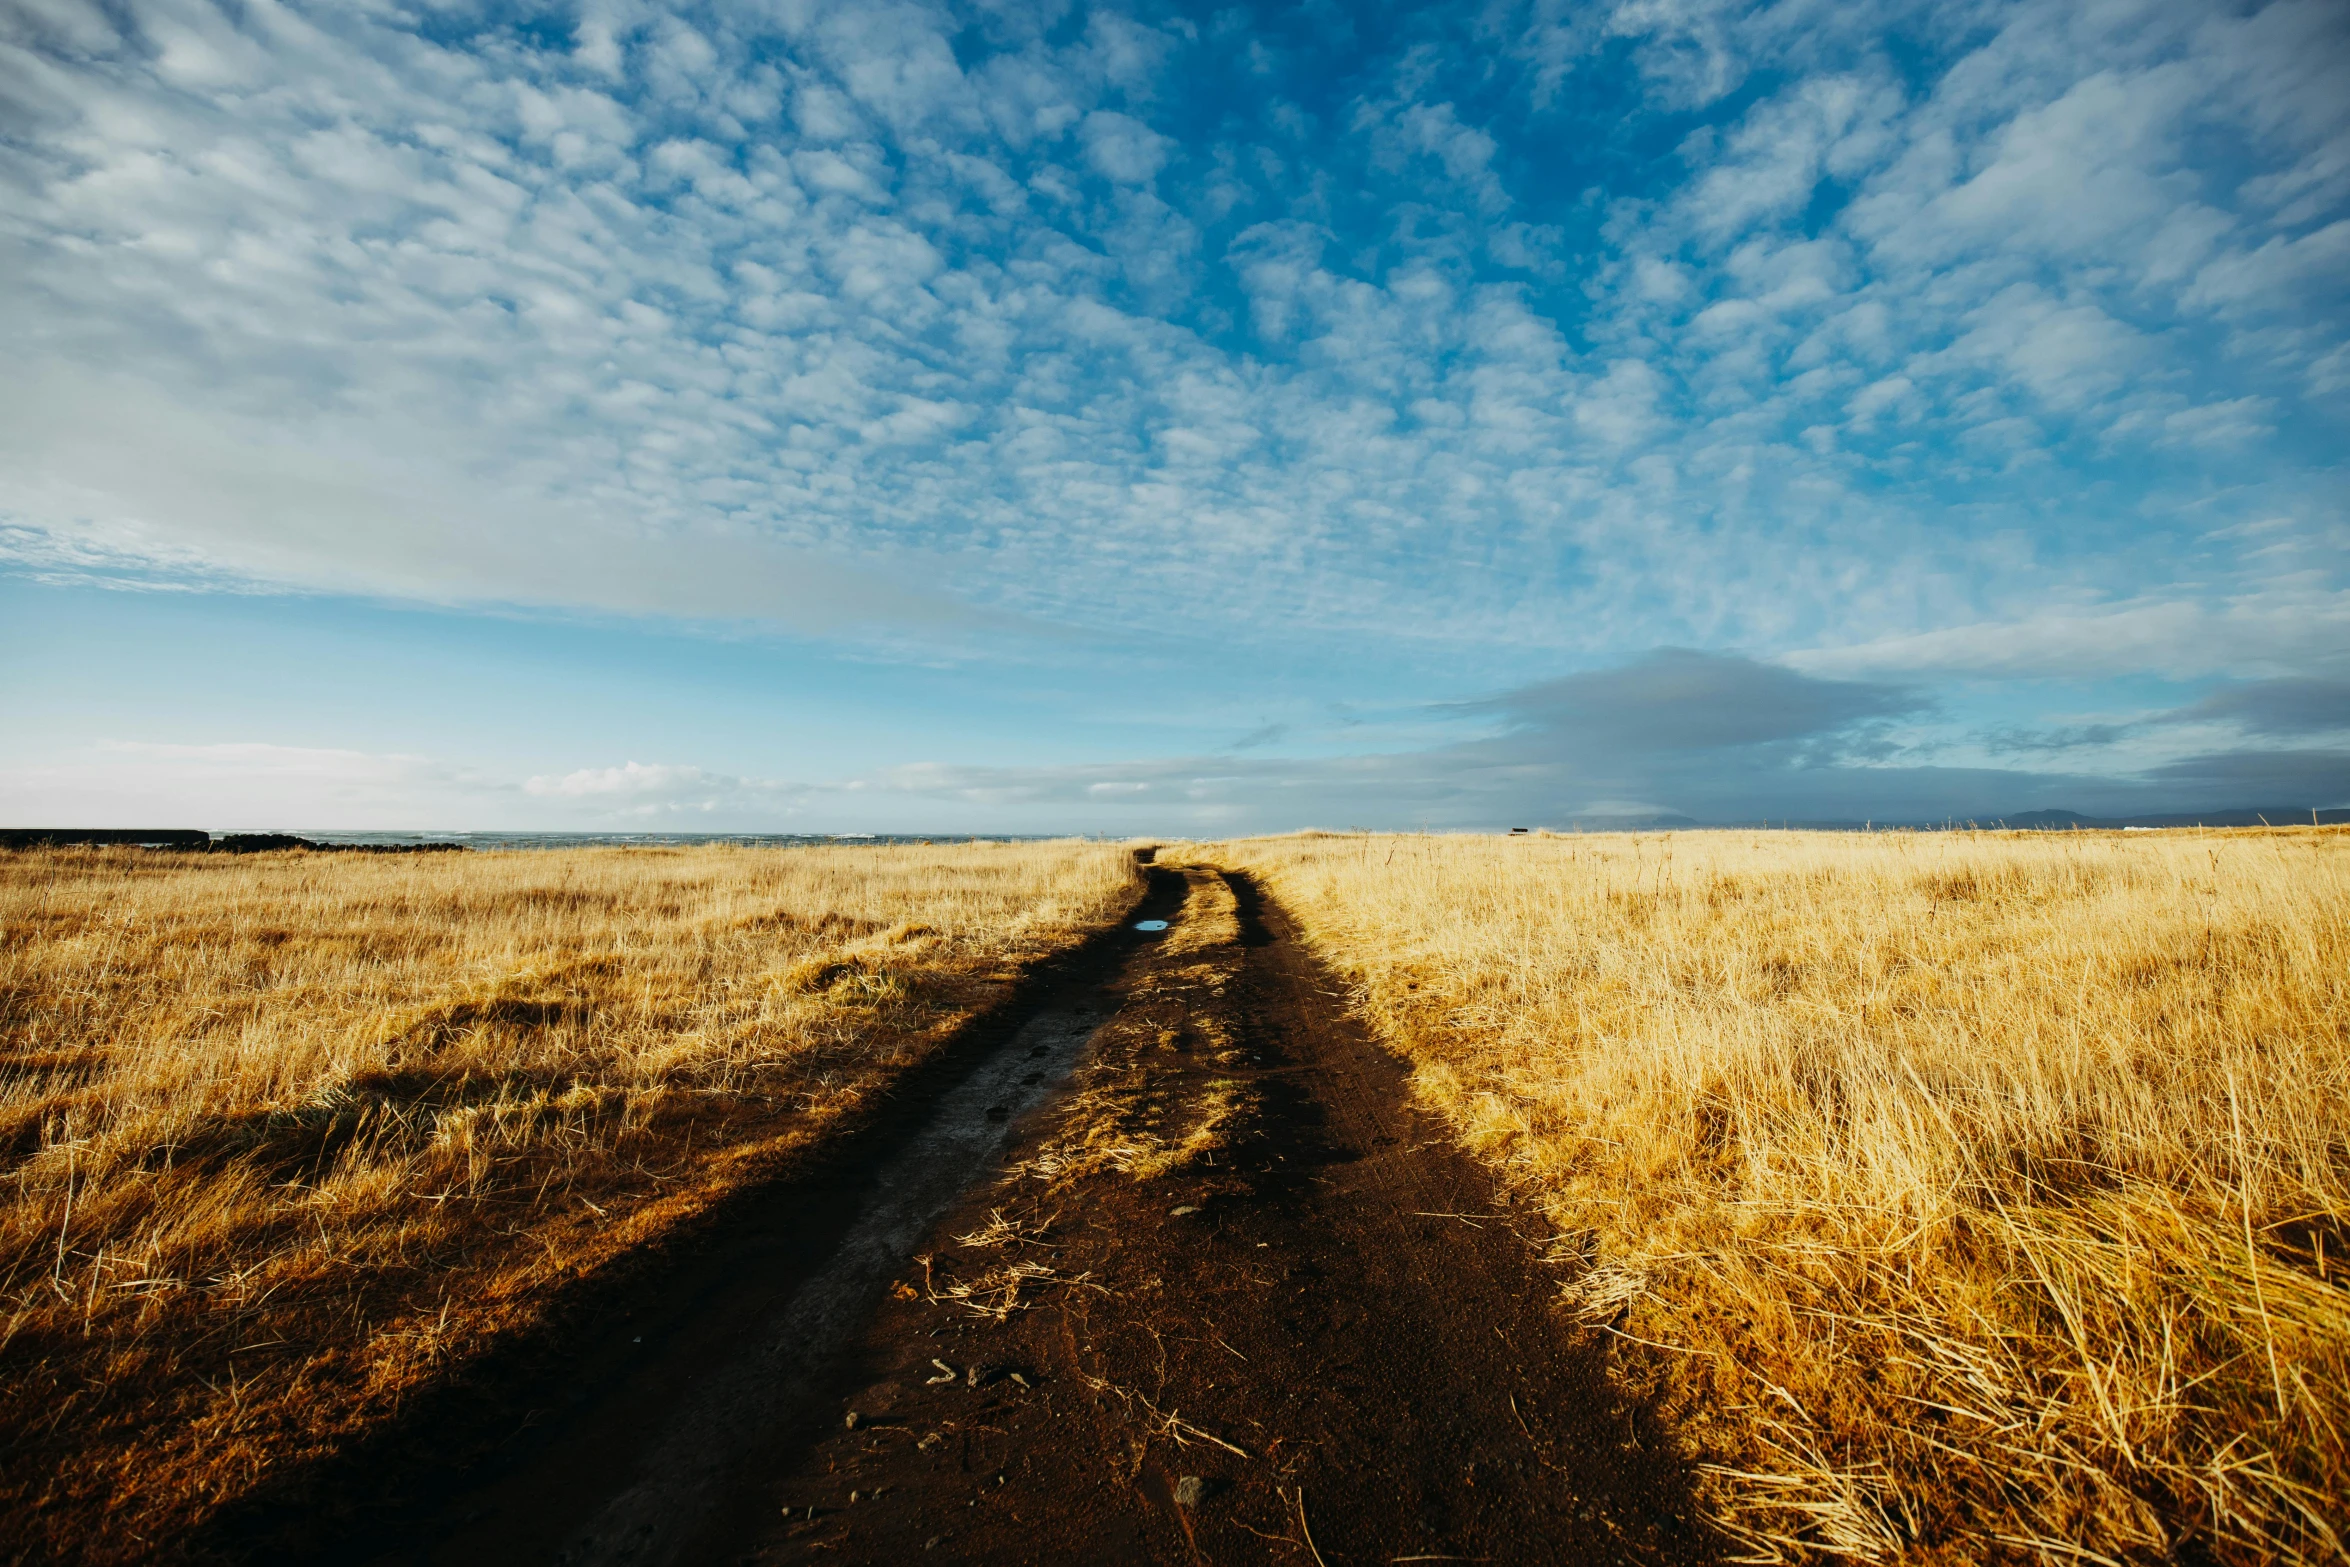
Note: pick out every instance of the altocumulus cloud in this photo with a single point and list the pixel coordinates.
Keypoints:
(638, 789)
(1908, 351)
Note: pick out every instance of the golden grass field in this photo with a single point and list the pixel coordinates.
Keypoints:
(1982, 1195)
(1960, 1195)
(286, 1135)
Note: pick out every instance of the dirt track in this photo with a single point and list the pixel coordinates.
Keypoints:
(1224, 1297)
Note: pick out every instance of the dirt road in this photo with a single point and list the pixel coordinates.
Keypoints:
(1175, 1274)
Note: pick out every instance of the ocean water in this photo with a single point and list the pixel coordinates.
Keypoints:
(642, 840)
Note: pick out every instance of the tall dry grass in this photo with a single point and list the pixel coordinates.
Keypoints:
(286, 1135)
(1984, 1195)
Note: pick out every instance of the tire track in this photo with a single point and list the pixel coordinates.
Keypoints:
(1293, 1322)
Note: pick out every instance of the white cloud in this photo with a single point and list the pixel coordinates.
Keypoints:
(1123, 148)
(118, 472)
(631, 779)
(1464, 152)
(2280, 269)
(2236, 422)
(240, 784)
(2066, 354)
(645, 791)
(256, 784)
(2276, 633)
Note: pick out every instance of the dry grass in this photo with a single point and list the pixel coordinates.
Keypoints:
(287, 1135)
(1989, 1190)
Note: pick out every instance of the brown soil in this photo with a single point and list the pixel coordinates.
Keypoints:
(1228, 1297)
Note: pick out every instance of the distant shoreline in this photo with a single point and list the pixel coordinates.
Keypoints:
(252, 841)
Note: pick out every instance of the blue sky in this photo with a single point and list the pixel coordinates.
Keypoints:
(1031, 418)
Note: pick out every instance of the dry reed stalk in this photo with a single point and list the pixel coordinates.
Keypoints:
(287, 1135)
(1990, 1188)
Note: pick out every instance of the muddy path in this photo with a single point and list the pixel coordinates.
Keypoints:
(1234, 1300)
(1177, 1273)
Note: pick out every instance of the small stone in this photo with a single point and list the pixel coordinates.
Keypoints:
(852, 1420)
(1189, 1490)
(1180, 1212)
(852, 1498)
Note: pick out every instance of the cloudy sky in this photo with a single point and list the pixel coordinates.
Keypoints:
(994, 416)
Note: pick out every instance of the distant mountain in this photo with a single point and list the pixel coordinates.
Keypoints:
(2253, 816)
(2054, 820)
